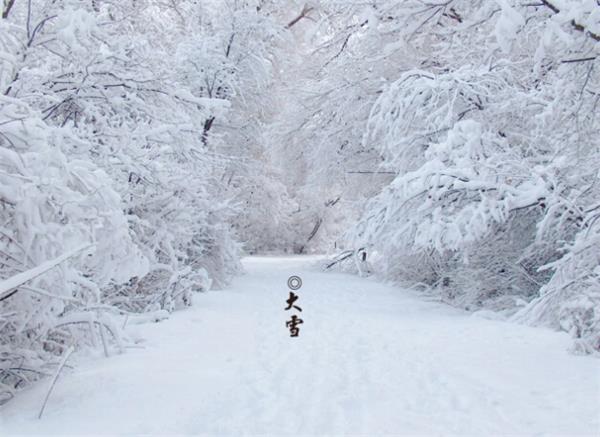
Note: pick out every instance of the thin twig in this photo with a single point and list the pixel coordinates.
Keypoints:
(66, 356)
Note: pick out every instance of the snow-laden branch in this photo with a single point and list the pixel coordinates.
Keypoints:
(574, 23)
(8, 286)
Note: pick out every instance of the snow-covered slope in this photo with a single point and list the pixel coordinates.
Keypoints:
(370, 359)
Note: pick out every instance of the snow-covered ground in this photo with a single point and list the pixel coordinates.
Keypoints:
(370, 359)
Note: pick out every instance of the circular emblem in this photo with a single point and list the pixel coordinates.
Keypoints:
(294, 282)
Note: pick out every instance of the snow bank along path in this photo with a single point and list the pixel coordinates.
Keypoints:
(370, 359)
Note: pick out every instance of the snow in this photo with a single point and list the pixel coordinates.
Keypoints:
(508, 25)
(370, 358)
(8, 285)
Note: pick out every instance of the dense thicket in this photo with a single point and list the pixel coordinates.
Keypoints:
(129, 134)
(143, 143)
(477, 124)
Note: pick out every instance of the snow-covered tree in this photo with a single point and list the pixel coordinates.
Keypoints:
(475, 121)
(493, 146)
(118, 167)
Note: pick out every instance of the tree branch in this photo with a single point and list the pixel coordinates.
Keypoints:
(304, 14)
(7, 7)
(575, 24)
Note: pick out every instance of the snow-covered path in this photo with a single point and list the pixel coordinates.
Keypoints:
(370, 359)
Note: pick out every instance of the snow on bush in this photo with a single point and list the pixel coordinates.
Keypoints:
(50, 205)
(120, 155)
(484, 113)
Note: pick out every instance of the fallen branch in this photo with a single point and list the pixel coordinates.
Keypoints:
(341, 257)
(66, 356)
(344, 256)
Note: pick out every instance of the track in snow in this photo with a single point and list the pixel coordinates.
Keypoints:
(370, 359)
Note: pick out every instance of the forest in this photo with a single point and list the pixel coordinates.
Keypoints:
(147, 146)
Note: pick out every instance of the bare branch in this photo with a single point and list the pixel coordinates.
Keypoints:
(7, 7)
(577, 26)
(568, 61)
(304, 14)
